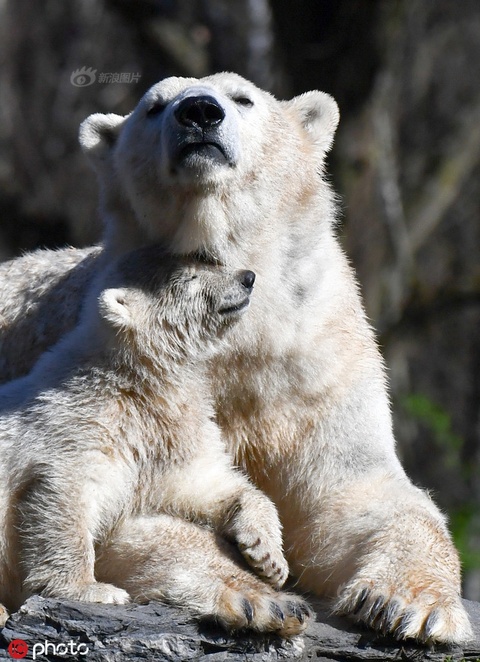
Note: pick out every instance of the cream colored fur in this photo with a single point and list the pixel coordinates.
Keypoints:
(299, 386)
(114, 432)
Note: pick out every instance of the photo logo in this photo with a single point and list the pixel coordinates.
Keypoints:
(17, 649)
(83, 77)
(69, 649)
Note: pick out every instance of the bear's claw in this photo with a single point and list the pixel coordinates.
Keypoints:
(264, 611)
(422, 616)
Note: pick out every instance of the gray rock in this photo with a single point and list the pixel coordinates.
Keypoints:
(57, 630)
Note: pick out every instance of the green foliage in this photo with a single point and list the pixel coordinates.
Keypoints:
(465, 526)
(439, 422)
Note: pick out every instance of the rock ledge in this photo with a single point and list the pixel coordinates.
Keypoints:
(79, 631)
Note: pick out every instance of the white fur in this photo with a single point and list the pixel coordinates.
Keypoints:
(299, 386)
(118, 427)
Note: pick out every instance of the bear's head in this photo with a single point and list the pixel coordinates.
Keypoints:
(203, 164)
(161, 309)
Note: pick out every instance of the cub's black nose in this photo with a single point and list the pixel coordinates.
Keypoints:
(247, 279)
(202, 112)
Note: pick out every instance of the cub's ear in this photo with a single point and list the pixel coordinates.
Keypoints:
(114, 307)
(319, 115)
(98, 135)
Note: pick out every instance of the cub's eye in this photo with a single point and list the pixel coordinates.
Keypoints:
(243, 101)
(157, 108)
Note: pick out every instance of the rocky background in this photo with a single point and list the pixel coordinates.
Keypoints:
(406, 163)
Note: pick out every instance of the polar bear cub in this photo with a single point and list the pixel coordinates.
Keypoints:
(116, 423)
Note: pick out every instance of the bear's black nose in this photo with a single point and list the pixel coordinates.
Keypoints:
(247, 279)
(203, 112)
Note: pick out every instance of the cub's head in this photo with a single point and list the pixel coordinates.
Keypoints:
(199, 153)
(162, 308)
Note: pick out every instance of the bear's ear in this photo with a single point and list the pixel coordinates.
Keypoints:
(99, 133)
(319, 115)
(114, 307)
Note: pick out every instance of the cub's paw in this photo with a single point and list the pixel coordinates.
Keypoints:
(265, 611)
(254, 526)
(264, 557)
(97, 592)
(427, 615)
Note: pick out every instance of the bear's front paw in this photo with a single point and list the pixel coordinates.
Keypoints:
(254, 526)
(264, 557)
(427, 615)
(94, 592)
(263, 610)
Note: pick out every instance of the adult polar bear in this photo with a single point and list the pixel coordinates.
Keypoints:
(220, 168)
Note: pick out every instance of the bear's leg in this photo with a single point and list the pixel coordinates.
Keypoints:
(210, 491)
(10, 581)
(355, 528)
(3, 555)
(56, 543)
(252, 523)
(166, 558)
(382, 551)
